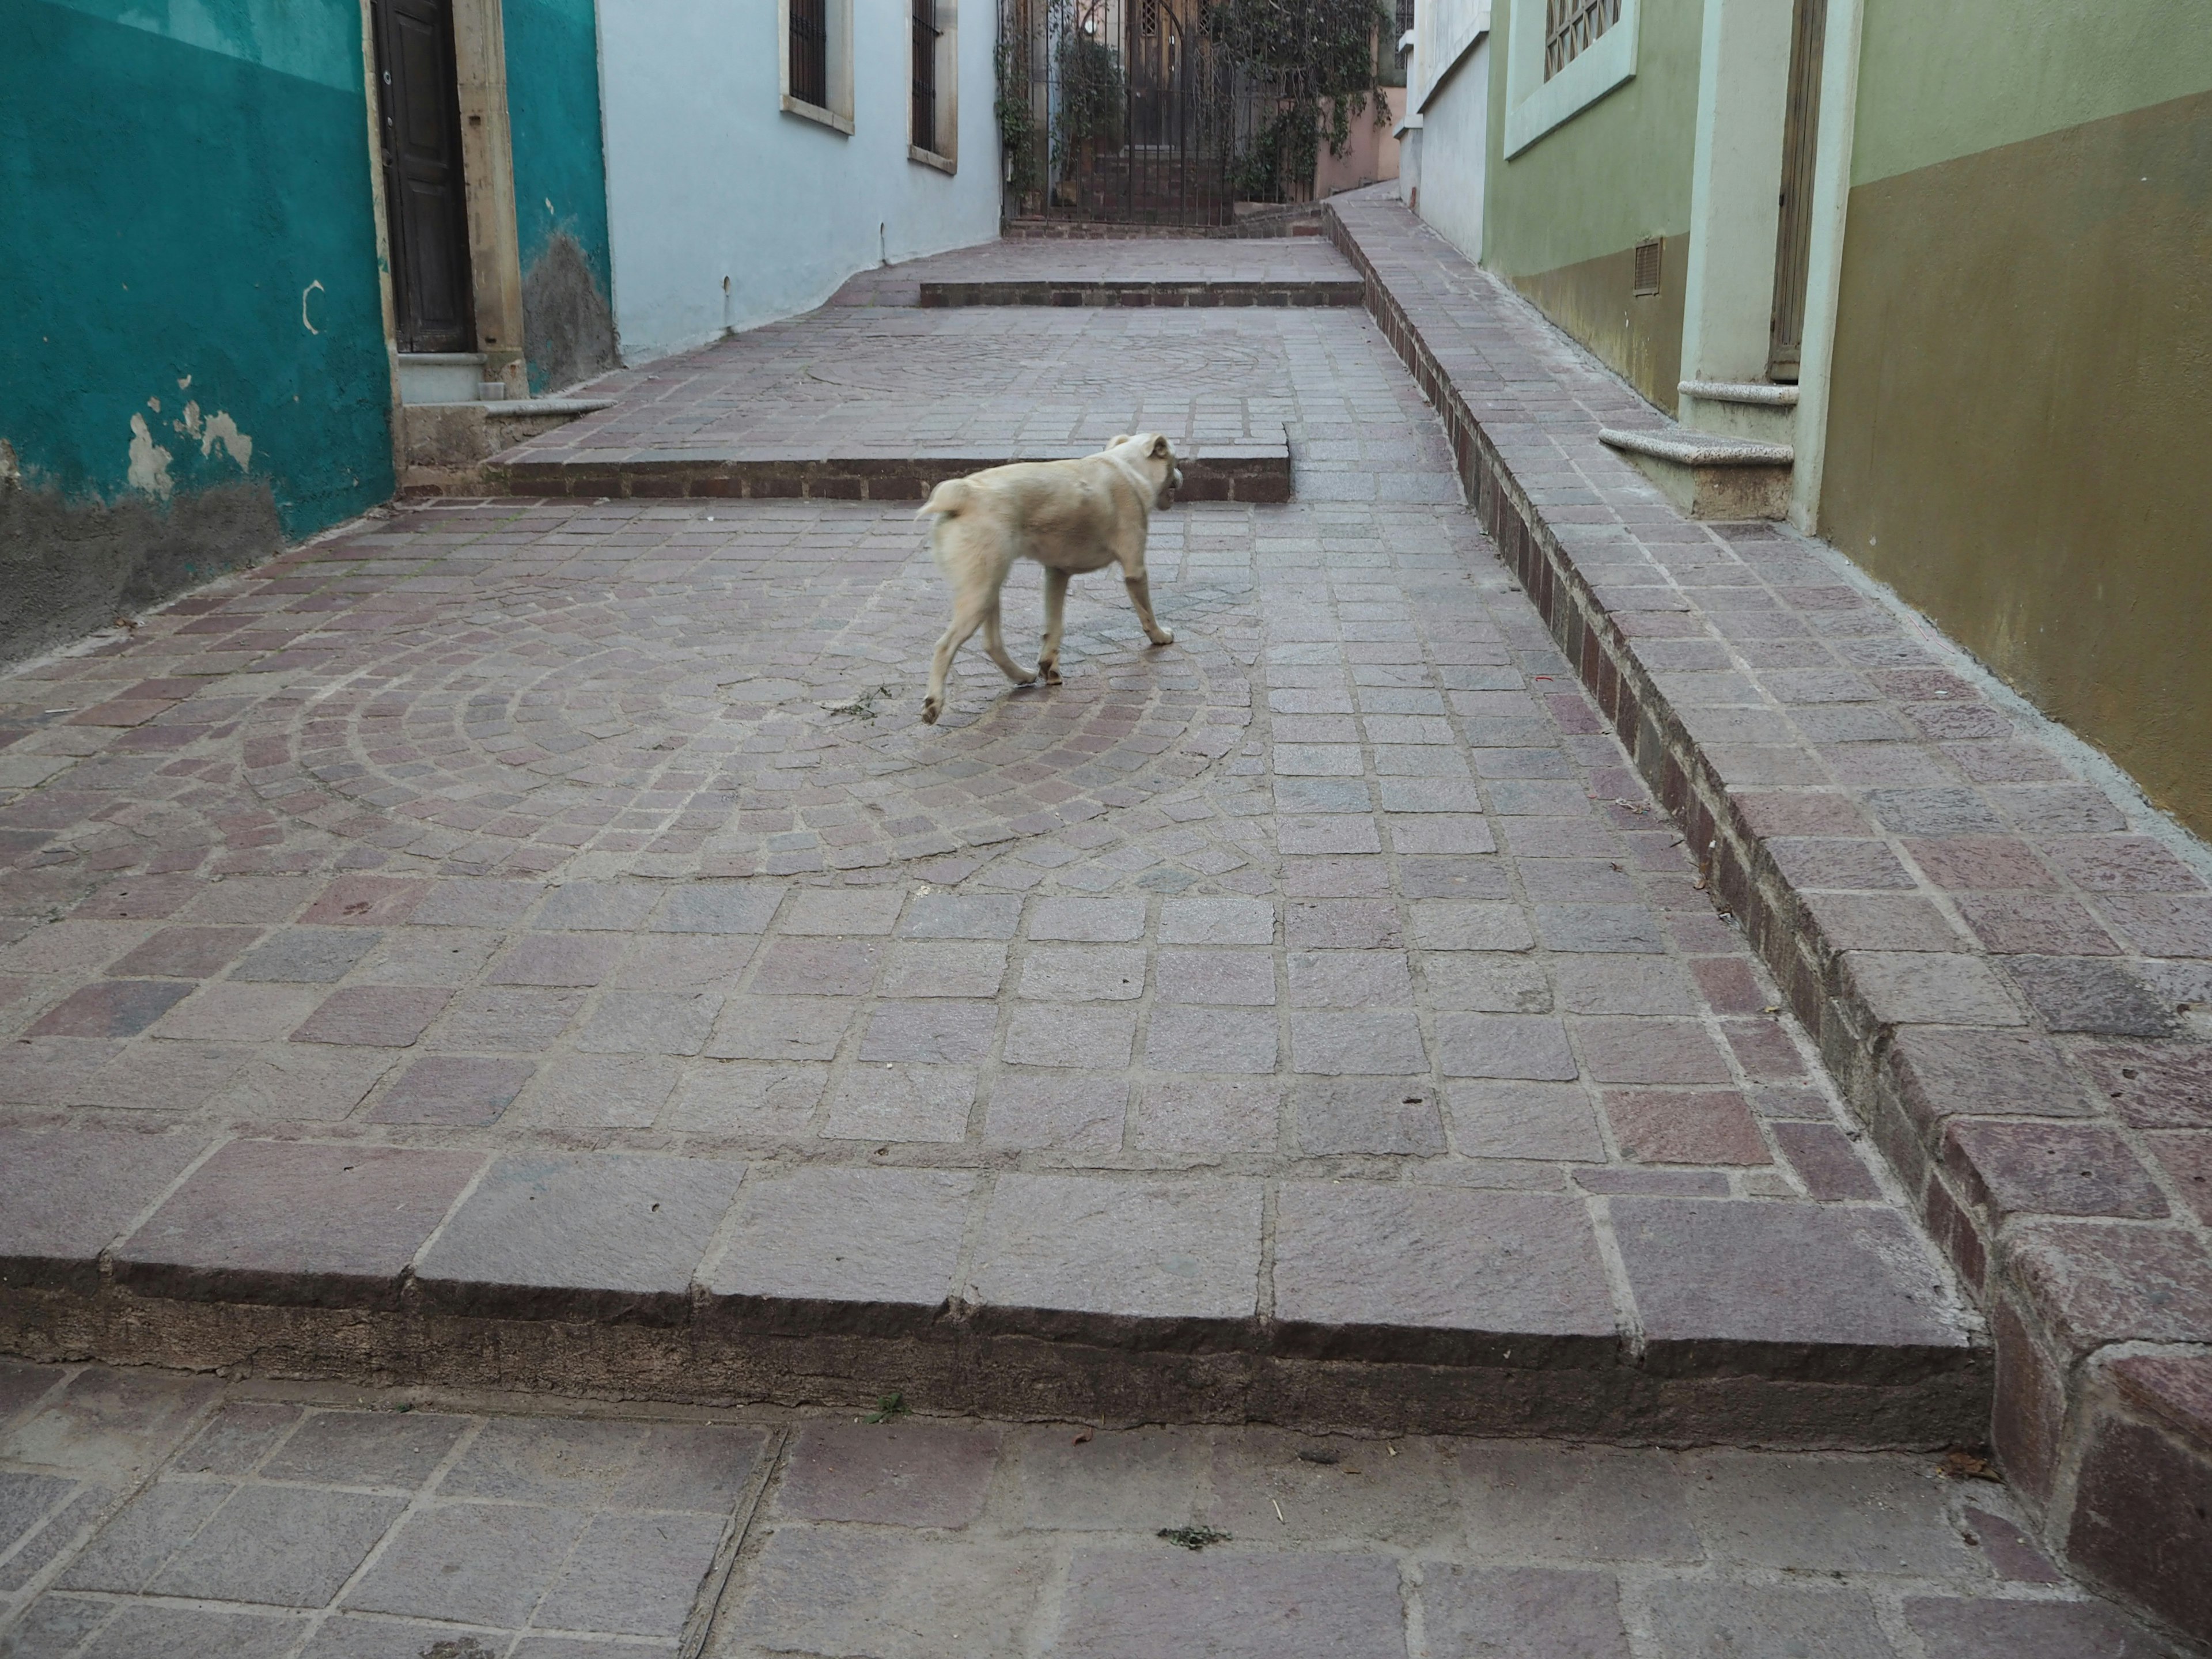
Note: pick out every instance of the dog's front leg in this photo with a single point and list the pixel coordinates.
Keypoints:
(1140, 595)
(1055, 617)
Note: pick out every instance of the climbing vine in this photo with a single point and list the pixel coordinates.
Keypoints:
(1323, 60)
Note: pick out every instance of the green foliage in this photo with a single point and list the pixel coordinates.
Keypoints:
(1091, 96)
(1319, 60)
(1017, 122)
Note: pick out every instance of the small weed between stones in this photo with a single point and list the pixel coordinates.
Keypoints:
(889, 1407)
(1193, 1538)
(863, 706)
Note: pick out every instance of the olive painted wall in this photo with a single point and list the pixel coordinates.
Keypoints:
(192, 363)
(1563, 216)
(2019, 427)
(560, 189)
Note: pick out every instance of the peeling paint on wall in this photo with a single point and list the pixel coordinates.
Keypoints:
(148, 468)
(217, 429)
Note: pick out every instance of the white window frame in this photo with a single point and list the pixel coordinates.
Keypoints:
(1534, 105)
(946, 159)
(837, 14)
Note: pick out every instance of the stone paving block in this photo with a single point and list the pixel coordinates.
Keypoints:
(781, 1028)
(1825, 1514)
(373, 1016)
(614, 906)
(1288, 1487)
(1233, 978)
(794, 1248)
(231, 1013)
(1435, 1274)
(2096, 1284)
(649, 1022)
(237, 1437)
(1676, 1051)
(303, 1085)
(1523, 1498)
(456, 1089)
(898, 1474)
(366, 1448)
(66, 1197)
(185, 952)
(930, 969)
(1208, 1119)
(1508, 1046)
(1684, 1126)
(900, 1103)
(563, 1464)
(1068, 1114)
(1613, 985)
(1343, 924)
(479, 1563)
(598, 1235)
(2050, 1169)
(295, 1222)
(828, 1589)
(1083, 973)
(559, 959)
(142, 1629)
(2164, 1087)
(1372, 1114)
(1445, 925)
(1238, 1605)
(1522, 1613)
(718, 907)
(111, 1008)
(1212, 1040)
(737, 1098)
(1940, 1074)
(475, 901)
(1091, 921)
(1085, 1037)
(366, 902)
(1116, 1480)
(1486, 981)
(1960, 1628)
(1512, 1120)
(2186, 1157)
(957, 915)
(635, 1575)
(1826, 1161)
(625, 1092)
(842, 912)
(816, 967)
(2091, 993)
(1694, 1617)
(1912, 988)
(1374, 1042)
(1083, 1253)
(1845, 1287)
(288, 1546)
(139, 1541)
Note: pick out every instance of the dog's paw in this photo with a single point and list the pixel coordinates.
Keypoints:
(1165, 636)
(930, 708)
(1048, 672)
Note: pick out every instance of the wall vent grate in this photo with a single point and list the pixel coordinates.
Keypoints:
(1647, 266)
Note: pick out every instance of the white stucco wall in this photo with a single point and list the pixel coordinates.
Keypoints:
(707, 177)
(1451, 90)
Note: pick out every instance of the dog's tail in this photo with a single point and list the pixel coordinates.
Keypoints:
(947, 501)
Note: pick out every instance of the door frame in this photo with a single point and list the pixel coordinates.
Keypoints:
(488, 188)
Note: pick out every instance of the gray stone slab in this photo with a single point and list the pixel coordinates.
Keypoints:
(1525, 1498)
(1522, 1613)
(1695, 1619)
(842, 1590)
(298, 1222)
(479, 1563)
(285, 1546)
(1123, 1605)
(888, 1475)
(634, 1575)
(830, 1249)
(1373, 1270)
(1082, 1254)
(1813, 1290)
(605, 1235)
(66, 1197)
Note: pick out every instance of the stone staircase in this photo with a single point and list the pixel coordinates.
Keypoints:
(456, 413)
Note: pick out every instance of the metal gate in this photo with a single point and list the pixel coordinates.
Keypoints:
(1120, 111)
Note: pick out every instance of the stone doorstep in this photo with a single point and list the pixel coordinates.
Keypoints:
(1226, 472)
(1708, 474)
(1766, 1321)
(2103, 1404)
(1110, 291)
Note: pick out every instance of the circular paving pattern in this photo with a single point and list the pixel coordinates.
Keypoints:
(771, 729)
(1029, 358)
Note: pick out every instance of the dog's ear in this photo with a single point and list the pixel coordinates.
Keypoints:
(1117, 440)
(1160, 451)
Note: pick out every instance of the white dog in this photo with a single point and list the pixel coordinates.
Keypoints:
(1068, 516)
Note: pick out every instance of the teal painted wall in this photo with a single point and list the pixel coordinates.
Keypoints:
(178, 179)
(560, 175)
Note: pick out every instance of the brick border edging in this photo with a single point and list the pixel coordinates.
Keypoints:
(1283, 293)
(1260, 474)
(2072, 1423)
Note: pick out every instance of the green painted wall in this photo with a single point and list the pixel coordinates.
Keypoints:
(1561, 217)
(178, 179)
(1939, 79)
(2020, 419)
(560, 183)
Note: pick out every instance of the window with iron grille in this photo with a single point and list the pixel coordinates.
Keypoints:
(925, 75)
(1405, 17)
(1571, 26)
(809, 52)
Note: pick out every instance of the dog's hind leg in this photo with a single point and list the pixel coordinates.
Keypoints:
(994, 642)
(968, 615)
(1140, 596)
(1055, 617)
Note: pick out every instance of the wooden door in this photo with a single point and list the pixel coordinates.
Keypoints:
(1793, 249)
(425, 204)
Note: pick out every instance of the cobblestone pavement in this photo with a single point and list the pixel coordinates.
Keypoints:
(898, 384)
(146, 1514)
(598, 829)
(1263, 259)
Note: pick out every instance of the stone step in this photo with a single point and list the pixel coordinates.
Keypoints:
(442, 377)
(1107, 291)
(1710, 475)
(447, 443)
(1223, 472)
(1101, 1297)
(1760, 411)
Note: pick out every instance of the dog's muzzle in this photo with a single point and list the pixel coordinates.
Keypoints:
(1169, 489)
